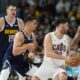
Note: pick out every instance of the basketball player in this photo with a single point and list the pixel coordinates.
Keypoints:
(75, 46)
(20, 53)
(9, 25)
(56, 50)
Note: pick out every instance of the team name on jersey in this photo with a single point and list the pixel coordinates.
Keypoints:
(7, 31)
(59, 48)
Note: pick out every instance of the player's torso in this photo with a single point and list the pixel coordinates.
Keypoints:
(22, 58)
(59, 47)
(7, 35)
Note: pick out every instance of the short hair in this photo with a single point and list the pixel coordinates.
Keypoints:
(11, 4)
(62, 20)
(30, 18)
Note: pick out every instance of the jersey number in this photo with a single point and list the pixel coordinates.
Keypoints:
(11, 38)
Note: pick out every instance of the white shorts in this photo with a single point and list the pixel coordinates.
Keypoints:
(5, 73)
(32, 70)
(47, 71)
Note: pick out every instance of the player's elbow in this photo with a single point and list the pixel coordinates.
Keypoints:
(15, 52)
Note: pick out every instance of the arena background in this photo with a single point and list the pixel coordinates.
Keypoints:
(46, 11)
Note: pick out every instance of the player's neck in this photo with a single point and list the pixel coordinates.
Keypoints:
(27, 32)
(59, 34)
(10, 19)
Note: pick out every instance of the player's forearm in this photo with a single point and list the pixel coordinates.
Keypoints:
(19, 50)
(74, 45)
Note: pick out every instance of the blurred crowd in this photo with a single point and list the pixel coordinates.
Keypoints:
(46, 12)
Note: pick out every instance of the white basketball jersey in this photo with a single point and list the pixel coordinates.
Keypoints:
(60, 47)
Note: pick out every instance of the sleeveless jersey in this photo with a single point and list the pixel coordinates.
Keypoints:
(19, 62)
(59, 47)
(6, 36)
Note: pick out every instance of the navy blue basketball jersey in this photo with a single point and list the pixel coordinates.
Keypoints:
(24, 56)
(6, 36)
(19, 62)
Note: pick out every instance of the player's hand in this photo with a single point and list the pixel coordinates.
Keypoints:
(31, 46)
(71, 59)
(68, 58)
(31, 55)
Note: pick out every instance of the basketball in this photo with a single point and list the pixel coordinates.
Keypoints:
(76, 60)
(31, 55)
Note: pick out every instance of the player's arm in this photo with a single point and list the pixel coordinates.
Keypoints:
(34, 41)
(68, 45)
(69, 58)
(17, 45)
(32, 52)
(20, 23)
(1, 24)
(48, 49)
(76, 39)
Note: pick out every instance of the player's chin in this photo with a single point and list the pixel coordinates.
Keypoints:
(13, 15)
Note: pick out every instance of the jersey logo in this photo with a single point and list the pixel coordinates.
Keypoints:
(7, 31)
(59, 48)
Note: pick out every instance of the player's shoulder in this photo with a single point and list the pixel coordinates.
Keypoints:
(68, 38)
(19, 19)
(2, 23)
(20, 22)
(48, 35)
(19, 35)
(1, 19)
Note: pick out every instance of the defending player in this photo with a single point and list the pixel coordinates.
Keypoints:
(19, 54)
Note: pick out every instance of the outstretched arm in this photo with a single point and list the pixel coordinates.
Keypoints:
(76, 39)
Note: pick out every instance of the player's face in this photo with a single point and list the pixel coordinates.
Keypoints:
(33, 25)
(65, 27)
(11, 11)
